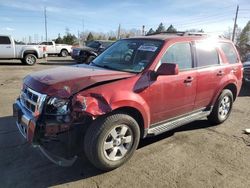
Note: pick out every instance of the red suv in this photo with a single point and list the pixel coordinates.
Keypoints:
(136, 88)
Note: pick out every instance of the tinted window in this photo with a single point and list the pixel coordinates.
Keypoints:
(206, 54)
(180, 54)
(4, 40)
(229, 52)
(50, 43)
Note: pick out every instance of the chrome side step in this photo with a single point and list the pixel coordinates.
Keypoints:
(167, 126)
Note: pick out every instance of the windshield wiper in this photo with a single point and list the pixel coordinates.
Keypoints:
(104, 66)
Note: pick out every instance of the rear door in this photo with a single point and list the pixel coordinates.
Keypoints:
(232, 58)
(174, 95)
(6, 48)
(210, 72)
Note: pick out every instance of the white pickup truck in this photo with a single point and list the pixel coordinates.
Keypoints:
(57, 49)
(28, 54)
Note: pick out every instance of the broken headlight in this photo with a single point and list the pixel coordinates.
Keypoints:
(57, 106)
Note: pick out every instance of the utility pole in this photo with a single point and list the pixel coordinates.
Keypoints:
(143, 30)
(235, 22)
(45, 18)
(119, 32)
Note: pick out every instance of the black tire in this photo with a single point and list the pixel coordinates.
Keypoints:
(99, 135)
(29, 59)
(220, 111)
(64, 53)
(90, 59)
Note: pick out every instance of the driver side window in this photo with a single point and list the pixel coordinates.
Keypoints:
(180, 54)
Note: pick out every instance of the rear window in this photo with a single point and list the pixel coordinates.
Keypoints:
(229, 52)
(206, 54)
(4, 40)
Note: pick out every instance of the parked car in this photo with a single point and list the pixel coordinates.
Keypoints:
(90, 51)
(246, 70)
(28, 54)
(138, 87)
(57, 49)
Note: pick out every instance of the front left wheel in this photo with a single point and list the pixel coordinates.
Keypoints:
(111, 141)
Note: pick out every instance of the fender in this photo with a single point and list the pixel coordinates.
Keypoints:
(96, 105)
(30, 50)
(222, 86)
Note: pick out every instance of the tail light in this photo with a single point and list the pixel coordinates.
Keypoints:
(44, 48)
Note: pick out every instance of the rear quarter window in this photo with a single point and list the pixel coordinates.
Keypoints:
(207, 54)
(229, 52)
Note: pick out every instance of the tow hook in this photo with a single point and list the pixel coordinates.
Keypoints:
(56, 159)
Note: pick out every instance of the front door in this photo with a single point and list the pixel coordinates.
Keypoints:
(174, 95)
(6, 48)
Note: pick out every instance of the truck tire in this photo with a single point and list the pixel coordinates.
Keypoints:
(90, 59)
(64, 53)
(29, 59)
(222, 107)
(111, 141)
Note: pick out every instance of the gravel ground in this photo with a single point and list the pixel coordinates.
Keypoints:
(195, 155)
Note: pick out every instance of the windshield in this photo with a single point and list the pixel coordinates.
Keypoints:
(94, 44)
(132, 55)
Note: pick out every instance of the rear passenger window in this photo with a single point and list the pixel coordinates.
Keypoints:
(229, 52)
(4, 40)
(206, 54)
(179, 54)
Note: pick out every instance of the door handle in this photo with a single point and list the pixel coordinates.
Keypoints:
(189, 79)
(220, 73)
(8, 47)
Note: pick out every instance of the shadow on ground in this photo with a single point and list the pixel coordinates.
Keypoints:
(24, 166)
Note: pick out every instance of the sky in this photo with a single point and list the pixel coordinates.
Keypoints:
(24, 19)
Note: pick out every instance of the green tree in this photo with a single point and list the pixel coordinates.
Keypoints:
(171, 29)
(161, 28)
(90, 37)
(244, 41)
(151, 31)
(69, 39)
(59, 39)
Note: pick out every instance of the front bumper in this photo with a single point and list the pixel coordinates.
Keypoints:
(29, 129)
(25, 122)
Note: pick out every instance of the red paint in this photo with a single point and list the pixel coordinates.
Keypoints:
(158, 99)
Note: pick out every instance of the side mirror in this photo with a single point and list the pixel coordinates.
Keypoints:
(167, 69)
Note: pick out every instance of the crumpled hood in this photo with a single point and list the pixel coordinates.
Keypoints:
(67, 80)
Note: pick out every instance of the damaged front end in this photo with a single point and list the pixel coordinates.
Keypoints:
(56, 126)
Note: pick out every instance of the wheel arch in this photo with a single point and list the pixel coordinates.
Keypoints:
(34, 52)
(136, 114)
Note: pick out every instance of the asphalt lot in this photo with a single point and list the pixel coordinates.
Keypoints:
(195, 155)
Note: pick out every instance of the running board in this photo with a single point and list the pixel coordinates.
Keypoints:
(167, 126)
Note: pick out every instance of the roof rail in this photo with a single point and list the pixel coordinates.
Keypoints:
(195, 34)
(180, 33)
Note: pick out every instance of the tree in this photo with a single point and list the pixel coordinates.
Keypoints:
(59, 39)
(244, 41)
(161, 28)
(151, 31)
(90, 37)
(69, 39)
(171, 29)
